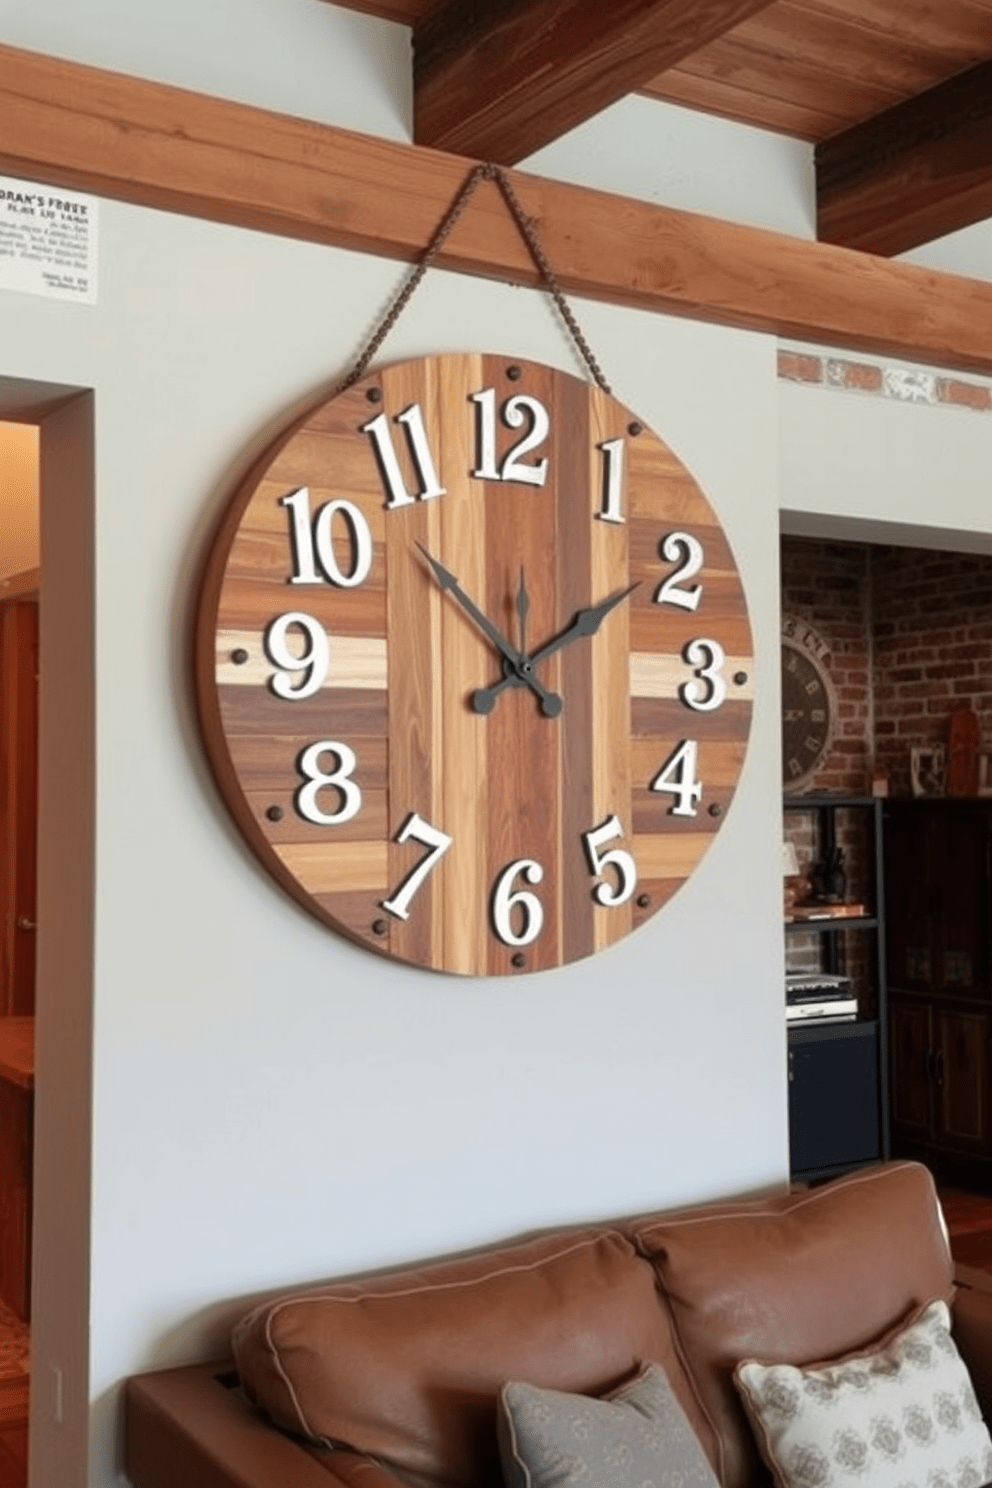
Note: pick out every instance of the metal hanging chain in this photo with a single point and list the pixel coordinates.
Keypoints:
(485, 172)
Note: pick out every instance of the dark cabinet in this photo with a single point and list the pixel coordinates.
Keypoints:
(937, 871)
(838, 1112)
(834, 1118)
(937, 855)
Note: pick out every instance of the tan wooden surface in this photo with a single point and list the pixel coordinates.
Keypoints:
(512, 785)
(167, 148)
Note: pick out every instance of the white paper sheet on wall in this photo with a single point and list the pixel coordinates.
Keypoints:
(48, 241)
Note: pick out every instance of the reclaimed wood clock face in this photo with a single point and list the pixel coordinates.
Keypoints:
(474, 666)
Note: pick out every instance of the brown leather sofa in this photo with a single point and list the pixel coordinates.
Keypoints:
(392, 1380)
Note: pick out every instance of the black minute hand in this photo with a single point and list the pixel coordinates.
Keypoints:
(448, 581)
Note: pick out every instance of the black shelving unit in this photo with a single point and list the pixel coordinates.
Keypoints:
(838, 1072)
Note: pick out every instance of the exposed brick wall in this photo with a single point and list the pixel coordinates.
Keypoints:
(827, 584)
(910, 633)
(933, 650)
(906, 384)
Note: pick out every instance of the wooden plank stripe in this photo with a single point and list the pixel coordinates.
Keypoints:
(356, 661)
(334, 867)
(670, 856)
(660, 676)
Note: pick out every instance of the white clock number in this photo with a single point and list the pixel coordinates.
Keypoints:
(338, 779)
(612, 451)
(505, 900)
(313, 541)
(614, 857)
(678, 776)
(437, 843)
(681, 546)
(412, 420)
(314, 660)
(707, 659)
(515, 413)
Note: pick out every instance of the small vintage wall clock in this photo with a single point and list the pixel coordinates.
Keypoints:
(474, 665)
(808, 705)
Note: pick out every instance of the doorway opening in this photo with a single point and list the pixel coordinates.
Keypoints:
(47, 788)
(19, 670)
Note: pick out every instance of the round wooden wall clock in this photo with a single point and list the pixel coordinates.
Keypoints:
(474, 665)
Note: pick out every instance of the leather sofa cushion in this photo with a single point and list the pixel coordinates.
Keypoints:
(406, 1367)
(794, 1279)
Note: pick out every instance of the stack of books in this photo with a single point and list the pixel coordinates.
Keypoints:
(819, 997)
(827, 912)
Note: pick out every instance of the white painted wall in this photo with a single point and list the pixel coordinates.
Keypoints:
(677, 158)
(874, 469)
(302, 57)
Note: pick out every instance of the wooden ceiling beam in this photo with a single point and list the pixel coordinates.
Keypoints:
(914, 173)
(499, 79)
(173, 150)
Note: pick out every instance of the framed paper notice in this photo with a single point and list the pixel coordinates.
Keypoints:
(48, 241)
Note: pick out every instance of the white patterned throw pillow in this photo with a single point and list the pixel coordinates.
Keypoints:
(636, 1437)
(900, 1415)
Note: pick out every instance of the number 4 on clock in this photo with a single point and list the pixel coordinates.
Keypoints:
(678, 776)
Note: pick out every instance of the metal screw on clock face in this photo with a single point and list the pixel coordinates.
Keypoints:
(519, 959)
(240, 656)
(643, 901)
(274, 813)
(635, 428)
(379, 927)
(740, 678)
(716, 809)
(513, 373)
(374, 395)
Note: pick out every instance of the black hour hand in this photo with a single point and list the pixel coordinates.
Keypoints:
(585, 623)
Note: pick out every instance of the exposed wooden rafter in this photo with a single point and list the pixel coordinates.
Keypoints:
(499, 79)
(167, 148)
(912, 174)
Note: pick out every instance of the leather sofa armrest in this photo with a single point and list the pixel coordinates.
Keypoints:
(972, 1328)
(192, 1425)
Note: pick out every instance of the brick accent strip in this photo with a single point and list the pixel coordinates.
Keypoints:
(901, 383)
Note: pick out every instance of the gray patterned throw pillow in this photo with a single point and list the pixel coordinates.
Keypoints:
(636, 1437)
(902, 1415)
